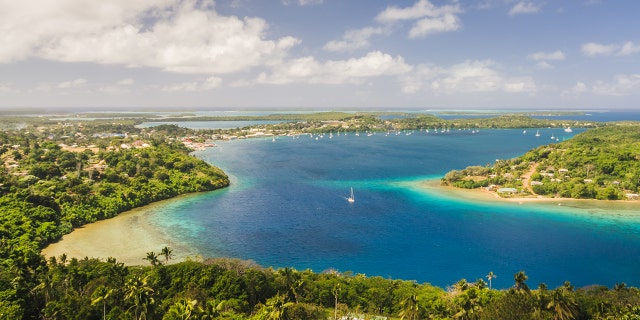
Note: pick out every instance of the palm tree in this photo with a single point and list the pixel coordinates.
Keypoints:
(152, 257)
(102, 295)
(275, 308)
(562, 304)
(490, 277)
(181, 310)
(140, 294)
(520, 279)
(410, 308)
(335, 291)
(167, 253)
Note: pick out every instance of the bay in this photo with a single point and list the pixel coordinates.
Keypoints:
(286, 207)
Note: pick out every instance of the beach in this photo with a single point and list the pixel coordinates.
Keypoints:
(127, 237)
(483, 195)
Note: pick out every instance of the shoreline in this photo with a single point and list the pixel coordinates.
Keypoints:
(481, 195)
(127, 237)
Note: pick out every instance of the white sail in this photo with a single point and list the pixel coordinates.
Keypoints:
(351, 198)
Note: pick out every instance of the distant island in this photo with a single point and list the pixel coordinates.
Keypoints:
(601, 163)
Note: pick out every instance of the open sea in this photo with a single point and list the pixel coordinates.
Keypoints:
(287, 206)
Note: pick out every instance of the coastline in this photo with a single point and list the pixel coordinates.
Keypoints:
(127, 237)
(480, 195)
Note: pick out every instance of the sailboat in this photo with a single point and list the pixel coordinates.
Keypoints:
(351, 199)
(538, 133)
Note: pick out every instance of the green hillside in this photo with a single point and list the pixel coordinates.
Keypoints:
(601, 163)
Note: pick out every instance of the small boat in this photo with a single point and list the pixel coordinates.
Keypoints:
(524, 131)
(351, 199)
(538, 133)
(568, 129)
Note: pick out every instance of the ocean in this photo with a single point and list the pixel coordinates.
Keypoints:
(286, 207)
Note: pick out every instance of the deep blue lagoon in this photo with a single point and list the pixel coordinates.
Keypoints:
(287, 207)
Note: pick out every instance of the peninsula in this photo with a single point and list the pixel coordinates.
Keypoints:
(600, 163)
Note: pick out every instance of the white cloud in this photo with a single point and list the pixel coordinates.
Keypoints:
(622, 85)
(597, 49)
(354, 39)
(7, 88)
(309, 70)
(172, 35)
(466, 77)
(545, 56)
(427, 26)
(578, 89)
(302, 2)
(71, 84)
(430, 18)
(628, 48)
(194, 86)
(126, 82)
(524, 7)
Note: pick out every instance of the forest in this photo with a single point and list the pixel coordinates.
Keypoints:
(56, 176)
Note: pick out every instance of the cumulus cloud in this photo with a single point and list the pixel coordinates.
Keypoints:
(355, 70)
(173, 35)
(6, 88)
(597, 49)
(621, 85)
(466, 77)
(524, 7)
(427, 26)
(126, 82)
(429, 19)
(354, 39)
(71, 84)
(545, 56)
(194, 86)
(578, 89)
(302, 2)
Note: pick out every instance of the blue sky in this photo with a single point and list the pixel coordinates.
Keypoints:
(327, 54)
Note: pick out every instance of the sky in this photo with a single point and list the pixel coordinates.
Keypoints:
(322, 54)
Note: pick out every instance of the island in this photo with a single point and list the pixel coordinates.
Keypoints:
(58, 175)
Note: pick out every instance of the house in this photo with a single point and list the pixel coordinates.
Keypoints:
(507, 190)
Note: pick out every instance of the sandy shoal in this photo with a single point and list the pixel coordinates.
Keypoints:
(127, 237)
(482, 195)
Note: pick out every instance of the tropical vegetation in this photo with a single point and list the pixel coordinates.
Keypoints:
(600, 163)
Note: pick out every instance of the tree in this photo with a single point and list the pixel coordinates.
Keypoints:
(181, 310)
(152, 257)
(490, 277)
(562, 305)
(102, 294)
(167, 253)
(520, 279)
(140, 295)
(410, 309)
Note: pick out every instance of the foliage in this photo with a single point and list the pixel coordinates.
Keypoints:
(58, 177)
(600, 163)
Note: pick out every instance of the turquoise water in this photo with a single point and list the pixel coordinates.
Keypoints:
(287, 207)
